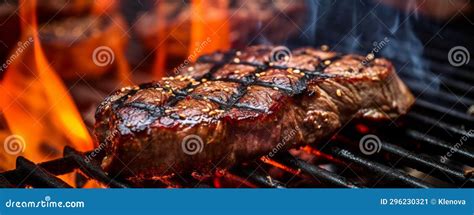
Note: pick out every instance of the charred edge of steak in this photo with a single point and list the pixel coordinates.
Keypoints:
(241, 105)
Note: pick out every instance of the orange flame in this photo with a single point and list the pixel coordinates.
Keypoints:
(159, 69)
(100, 8)
(209, 22)
(208, 32)
(103, 6)
(36, 105)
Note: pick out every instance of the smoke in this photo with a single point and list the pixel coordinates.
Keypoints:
(361, 26)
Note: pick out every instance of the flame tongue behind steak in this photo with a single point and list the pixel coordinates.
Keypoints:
(217, 114)
(35, 103)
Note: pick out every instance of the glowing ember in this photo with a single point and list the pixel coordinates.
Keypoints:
(280, 165)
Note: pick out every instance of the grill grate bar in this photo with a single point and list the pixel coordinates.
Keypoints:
(4, 183)
(439, 124)
(56, 167)
(439, 60)
(35, 175)
(458, 87)
(459, 103)
(459, 74)
(454, 116)
(256, 177)
(384, 170)
(424, 163)
(446, 84)
(43, 174)
(432, 143)
(440, 57)
(325, 176)
(91, 169)
(427, 165)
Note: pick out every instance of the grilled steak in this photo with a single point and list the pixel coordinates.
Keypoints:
(231, 107)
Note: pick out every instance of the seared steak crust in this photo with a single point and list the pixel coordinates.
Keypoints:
(241, 104)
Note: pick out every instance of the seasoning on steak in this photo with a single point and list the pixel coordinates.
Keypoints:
(241, 105)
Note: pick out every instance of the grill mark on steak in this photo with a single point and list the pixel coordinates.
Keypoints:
(157, 111)
(249, 80)
(241, 103)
